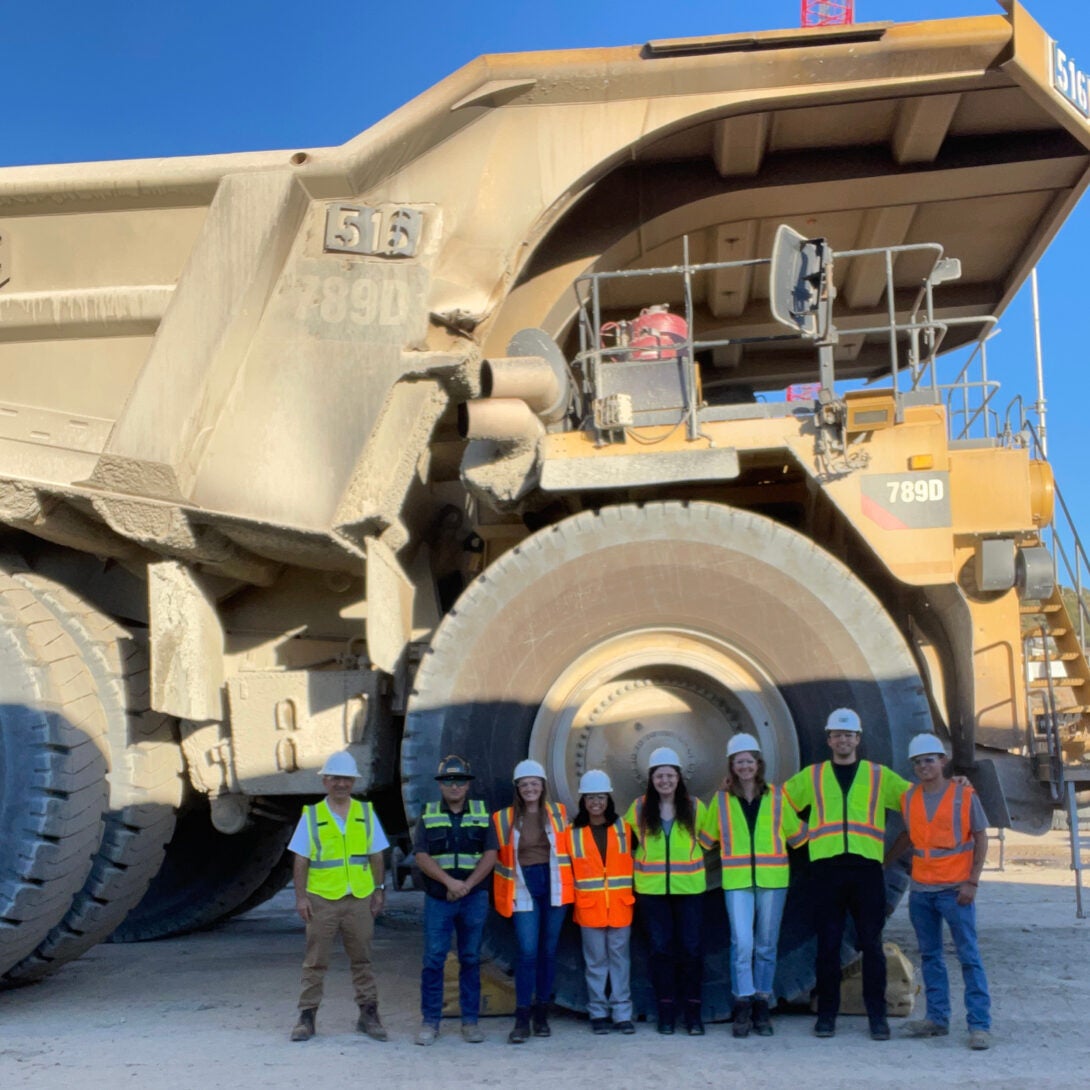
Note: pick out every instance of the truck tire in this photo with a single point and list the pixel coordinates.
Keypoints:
(206, 875)
(143, 777)
(52, 772)
(614, 632)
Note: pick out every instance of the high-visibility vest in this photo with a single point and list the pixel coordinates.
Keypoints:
(603, 887)
(340, 862)
(837, 825)
(759, 860)
(942, 848)
(673, 864)
(506, 874)
(458, 855)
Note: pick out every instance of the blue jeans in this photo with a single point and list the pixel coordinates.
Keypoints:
(537, 932)
(465, 917)
(755, 916)
(927, 912)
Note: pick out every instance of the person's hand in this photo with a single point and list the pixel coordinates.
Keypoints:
(456, 889)
(378, 902)
(302, 906)
(967, 893)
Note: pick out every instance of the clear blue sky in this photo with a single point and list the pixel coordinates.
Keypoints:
(125, 79)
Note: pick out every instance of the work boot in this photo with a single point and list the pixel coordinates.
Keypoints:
(666, 1017)
(369, 1022)
(472, 1033)
(428, 1034)
(762, 1016)
(926, 1028)
(626, 1027)
(879, 1028)
(303, 1030)
(541, 1020)
(600, 1026)
(742, 1015)
(825, 1026)
(694, 1024)
(979, 1039)
(521, 1032)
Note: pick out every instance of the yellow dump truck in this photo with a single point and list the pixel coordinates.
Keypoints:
(471, 435)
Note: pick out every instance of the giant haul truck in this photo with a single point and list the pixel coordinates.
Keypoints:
(470, 435)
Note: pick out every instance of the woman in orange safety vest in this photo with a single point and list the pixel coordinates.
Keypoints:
(532, 885)
(601, 860)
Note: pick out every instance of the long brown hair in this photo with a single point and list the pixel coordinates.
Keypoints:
(733, 787)
(651, 818)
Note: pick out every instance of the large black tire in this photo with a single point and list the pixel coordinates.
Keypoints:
(206, 875)
(143, 776)
(52, 772)
(613, 632)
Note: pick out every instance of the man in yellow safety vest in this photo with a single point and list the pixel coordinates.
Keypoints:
(339, 889)
(845, 801)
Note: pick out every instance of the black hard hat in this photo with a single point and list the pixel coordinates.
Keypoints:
(454, 768)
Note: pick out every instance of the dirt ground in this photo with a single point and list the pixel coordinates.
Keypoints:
(213, 1010)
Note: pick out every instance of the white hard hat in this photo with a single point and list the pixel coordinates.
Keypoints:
(844, 719)
(341, 764)
(595, 782)
(664, 756)
(528, 768)
(743, 743)
(924, 744)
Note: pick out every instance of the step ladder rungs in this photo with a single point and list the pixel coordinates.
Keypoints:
(1057, 682)
(1044, 607)
(1056, 656)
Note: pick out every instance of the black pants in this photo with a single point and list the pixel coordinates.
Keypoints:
(674, 924)
(857, 889)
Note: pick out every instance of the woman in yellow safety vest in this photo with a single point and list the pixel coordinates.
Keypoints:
(753, 826)
(601, 861)
(669, 876)
(532, 884)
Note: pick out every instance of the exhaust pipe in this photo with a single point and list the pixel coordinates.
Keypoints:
(506, 420)
(532, 379)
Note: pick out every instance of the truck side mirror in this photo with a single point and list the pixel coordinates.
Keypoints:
(795, 281)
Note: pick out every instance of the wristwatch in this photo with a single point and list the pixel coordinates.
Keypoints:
(382, 886)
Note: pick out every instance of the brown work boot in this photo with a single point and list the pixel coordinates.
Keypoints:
(369, 1022)
(303, 1030)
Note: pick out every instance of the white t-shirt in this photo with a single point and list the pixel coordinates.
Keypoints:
(300, 839)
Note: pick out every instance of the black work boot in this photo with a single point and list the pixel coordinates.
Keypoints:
(694, 1024)
(370, 1024)
(541, 1020)
(520, 1034)
(742, 1014)
(667, 1016)
(304, 1029)
(762, 1016)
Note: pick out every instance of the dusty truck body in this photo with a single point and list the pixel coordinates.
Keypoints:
(369, 446)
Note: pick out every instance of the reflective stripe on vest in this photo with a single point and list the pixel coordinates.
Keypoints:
(942, 846)
(475, 816)
(339, 862)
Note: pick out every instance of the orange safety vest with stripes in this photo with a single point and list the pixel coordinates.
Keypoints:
(942, 847)
(759, 860)
(673, 864)
(504, 875)
(839, 825)
(603, 887)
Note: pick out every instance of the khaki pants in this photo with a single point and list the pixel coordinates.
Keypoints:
(351, 918)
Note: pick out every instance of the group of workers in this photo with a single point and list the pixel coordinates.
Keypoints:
(652, 859)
